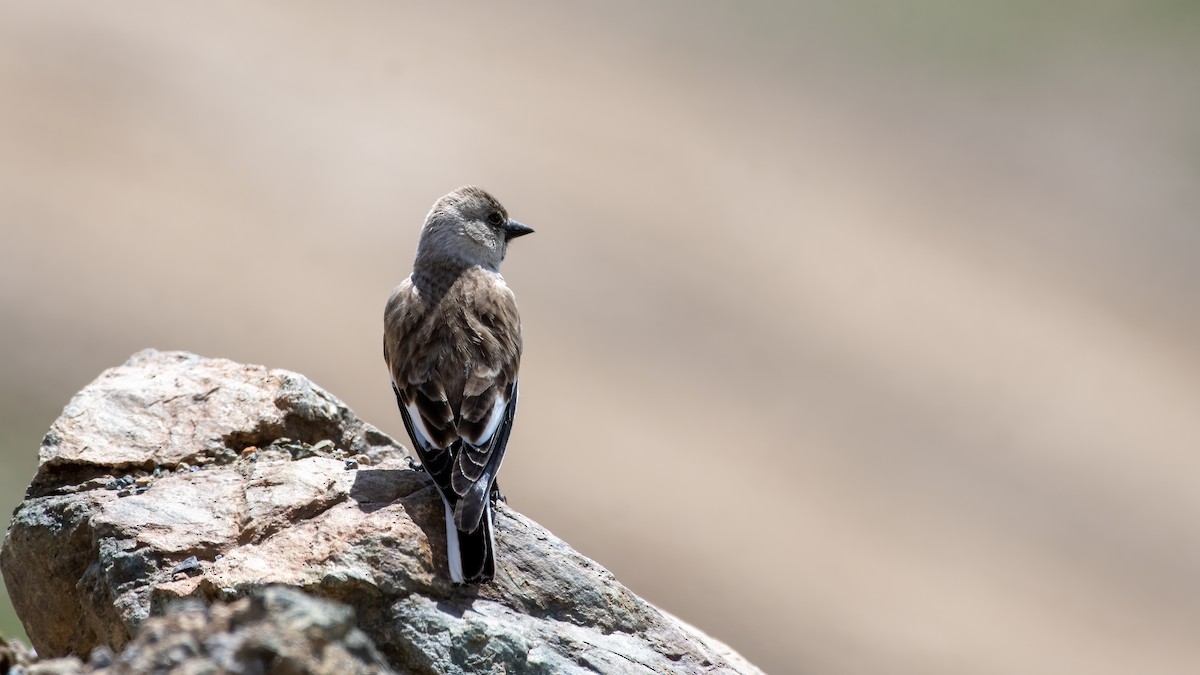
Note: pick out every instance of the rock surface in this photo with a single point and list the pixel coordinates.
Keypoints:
(175, 476)
(275, 630)
(14, 655)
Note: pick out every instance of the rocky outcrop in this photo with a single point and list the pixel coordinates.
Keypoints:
(177, 477)
(275, 630)
(14, 655)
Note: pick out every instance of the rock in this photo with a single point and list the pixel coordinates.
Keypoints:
(14, 654)
(88, 558)
(276, 629)
(68, 665)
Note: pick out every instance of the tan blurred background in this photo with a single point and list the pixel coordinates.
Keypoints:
(862, 335)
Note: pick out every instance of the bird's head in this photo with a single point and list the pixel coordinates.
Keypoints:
(469, 226)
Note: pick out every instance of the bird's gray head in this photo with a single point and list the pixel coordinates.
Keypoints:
(467, 226)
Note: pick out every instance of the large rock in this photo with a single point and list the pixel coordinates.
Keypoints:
(276, 630)
(175, 476)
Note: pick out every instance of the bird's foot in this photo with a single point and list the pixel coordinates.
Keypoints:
(414, 464)
(497, 496)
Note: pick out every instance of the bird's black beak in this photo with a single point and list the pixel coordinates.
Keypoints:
(514, 229)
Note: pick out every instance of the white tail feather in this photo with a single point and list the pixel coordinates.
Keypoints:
(491, 530)
(452, 552)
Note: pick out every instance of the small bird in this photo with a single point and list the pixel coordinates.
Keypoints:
(452, 343)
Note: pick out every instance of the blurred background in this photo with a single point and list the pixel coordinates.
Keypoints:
(863, 336)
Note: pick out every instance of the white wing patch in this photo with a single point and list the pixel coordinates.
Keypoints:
(498, 408)
(419, 425)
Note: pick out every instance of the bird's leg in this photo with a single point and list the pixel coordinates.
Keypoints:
(495, 493)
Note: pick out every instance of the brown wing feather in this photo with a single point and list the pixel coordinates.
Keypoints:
(496, 326)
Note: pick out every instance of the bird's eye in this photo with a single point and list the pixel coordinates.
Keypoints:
(495, 218)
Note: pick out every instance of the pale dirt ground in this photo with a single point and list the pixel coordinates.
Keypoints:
(863, 337)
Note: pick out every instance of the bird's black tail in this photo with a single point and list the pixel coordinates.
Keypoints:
(471, 555)
(477, 550)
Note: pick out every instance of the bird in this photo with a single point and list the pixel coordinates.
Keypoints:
(452, 344)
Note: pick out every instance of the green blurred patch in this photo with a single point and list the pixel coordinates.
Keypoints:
(1021, 32)
(20, 434)
(968, 39)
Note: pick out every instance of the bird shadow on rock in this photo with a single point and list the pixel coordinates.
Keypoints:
(374, 489)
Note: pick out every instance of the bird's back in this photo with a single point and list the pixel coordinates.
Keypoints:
(453, 346)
